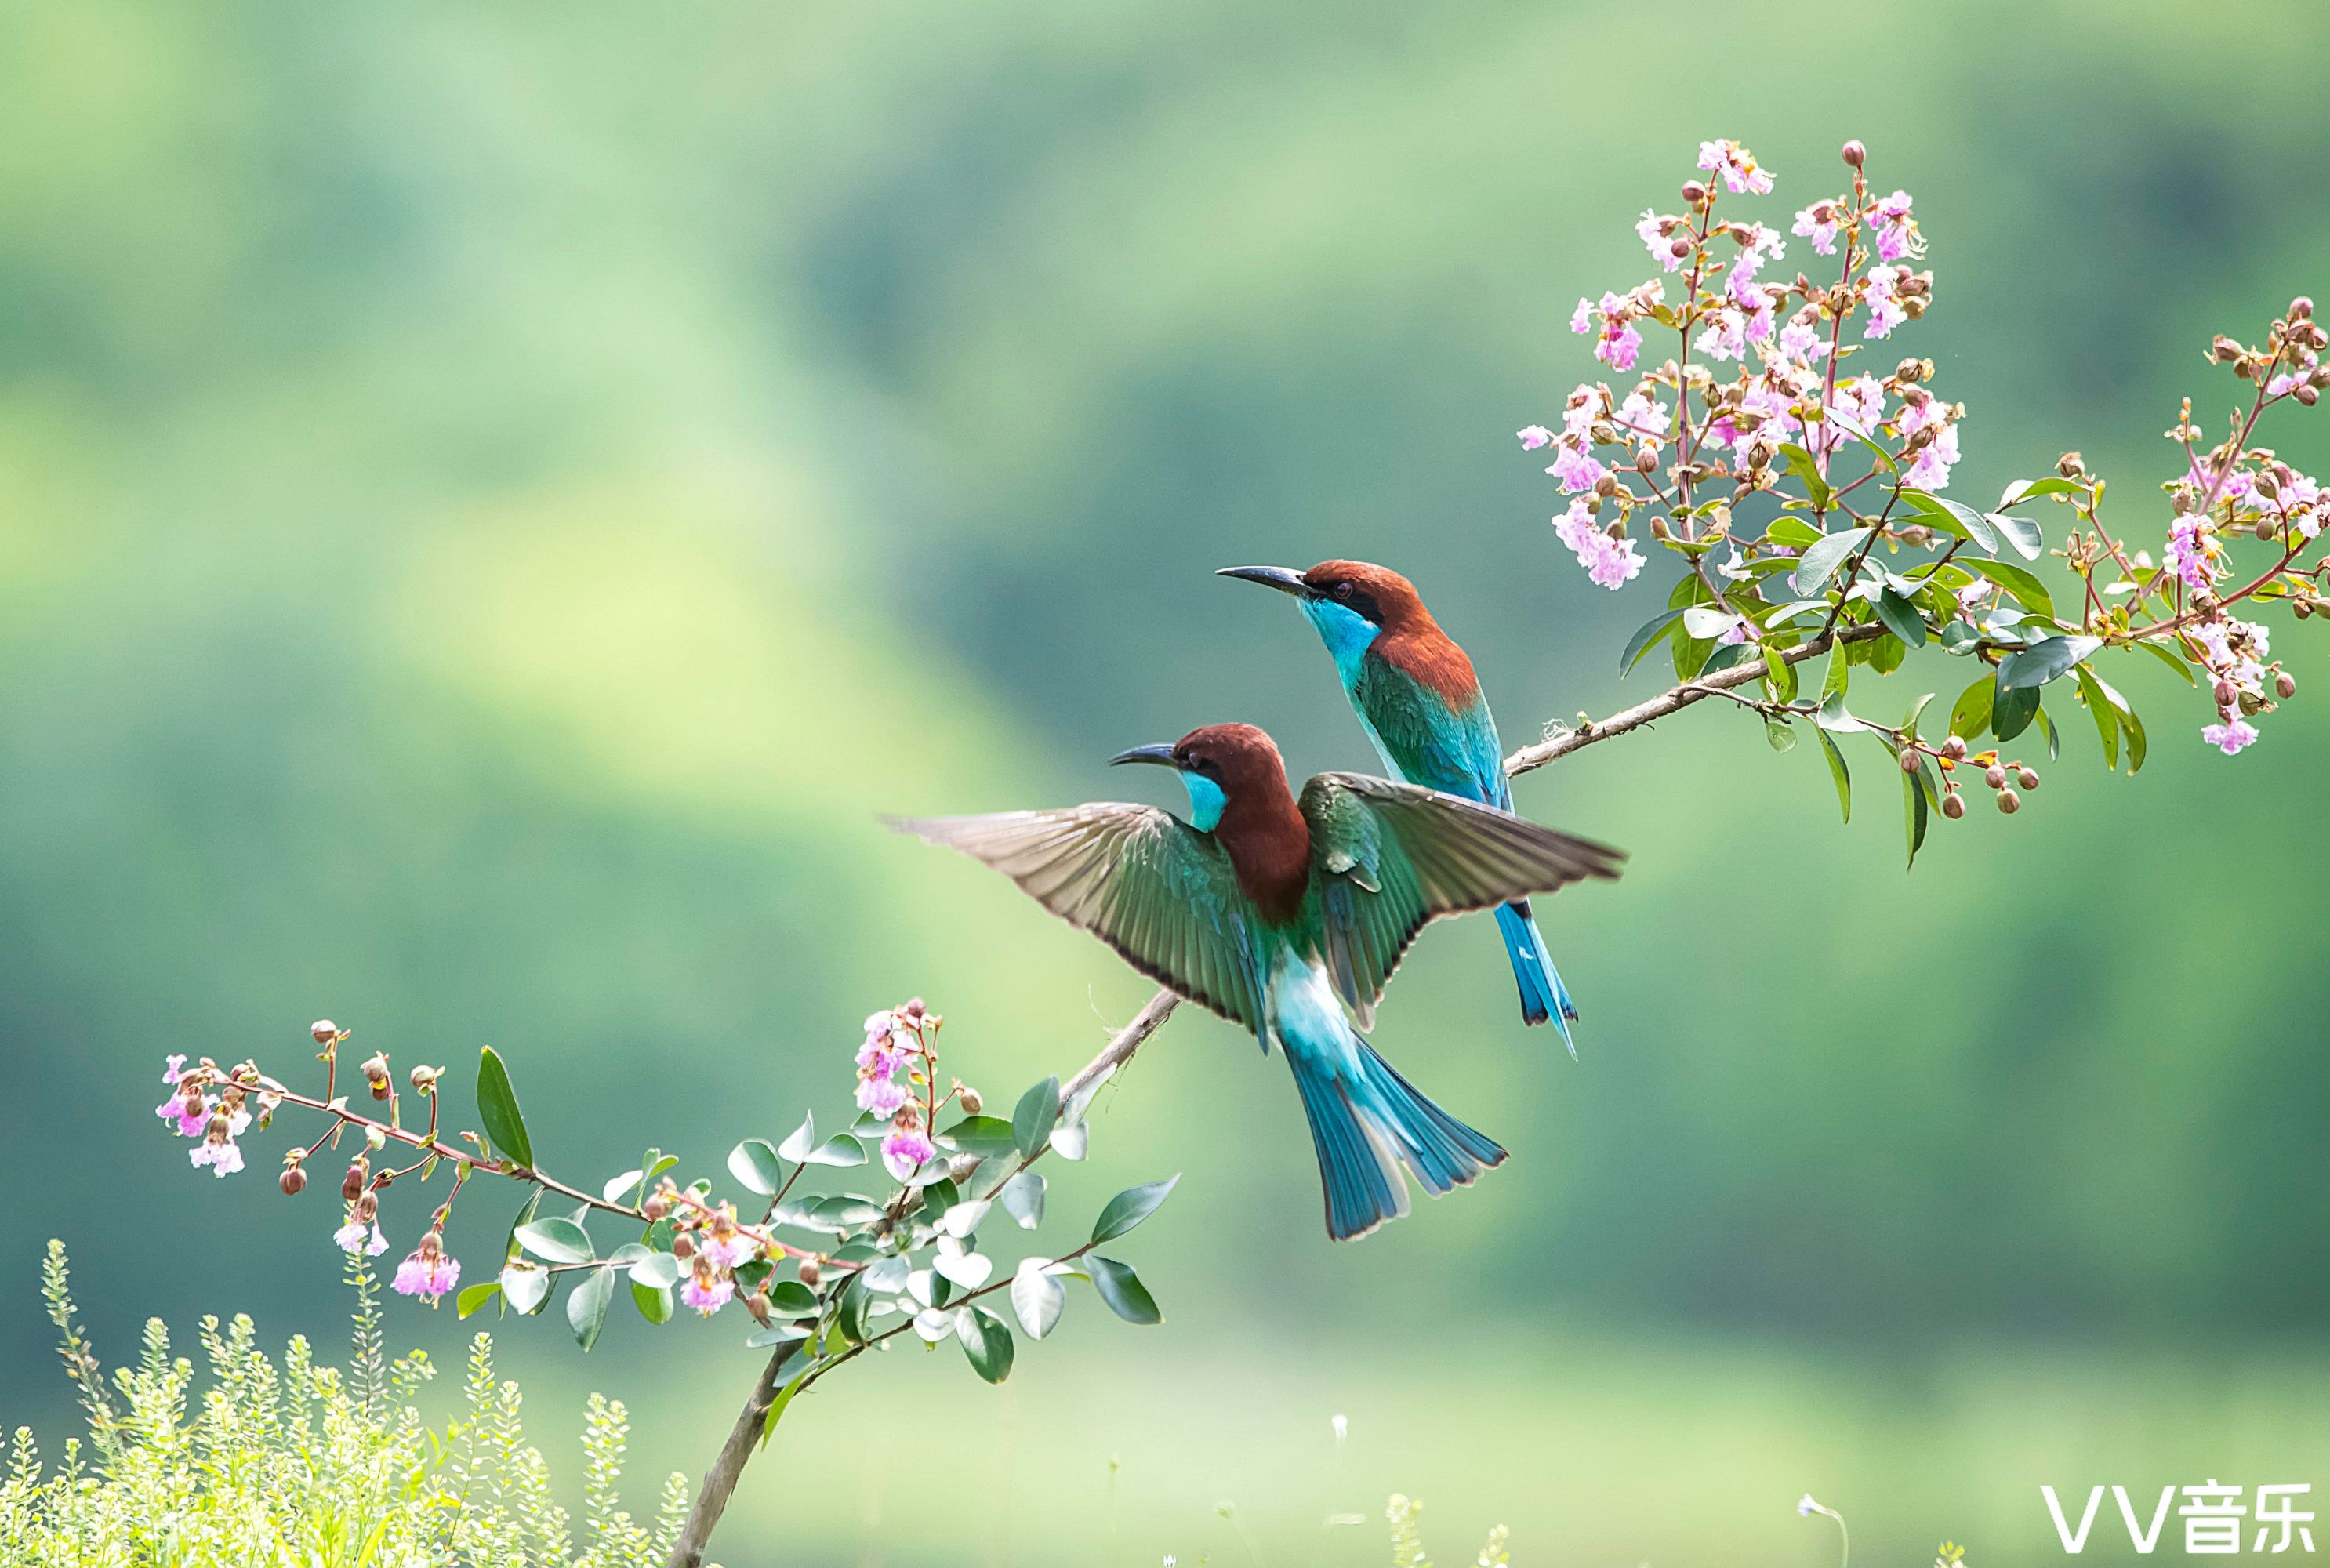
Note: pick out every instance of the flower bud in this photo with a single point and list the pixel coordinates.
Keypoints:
(1995, 776)
(1646, 461)
(2026, 777)
(2265, 528)
(295, 1181)
(1954, 748)
(1953, 804)
(811, 1274)
(1854, 154)
(1694, 194)
(375, 1071)
(367, 1207)
(1605, 487)
(915, 1007)
(683, 1246)
(655, 1207)
(2223, 349)
(1660, 531)
(325, 1031)
(2307, 393)
(972, 1102)
(757, 1304)
(2226, 692)
(2009, 802)
(1910, 761)
(2301, 308)
(424, 1079)
(1679, 247)
(352, 1186)
(2285, 684)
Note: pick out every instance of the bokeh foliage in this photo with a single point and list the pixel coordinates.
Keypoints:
(492, 502)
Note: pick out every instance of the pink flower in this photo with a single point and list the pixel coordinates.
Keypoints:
(186, 1119)
(224, 1157)
(1897, 231)
(1576, 470)
(2231, 736)
(1647, 229)
(1736, 163)
(1642, 416)
(1885, 310)
(1862, 400)
(727, 1246)
(1619, 345)
(1533, 437)
(350, 1238)
(882, 1096)
(1581, 320)
(1615, 563)
(1727, 336)
(706, 1291)
(170, 1072)
(1737, 632)
(427, 1270)
(2192, 552)
(1573, 526)
(906, 1147)
(1800, 340)
(2283, 382)
(1821, 231)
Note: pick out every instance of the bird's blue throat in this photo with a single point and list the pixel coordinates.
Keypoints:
(1346, 632)
(1206, 801)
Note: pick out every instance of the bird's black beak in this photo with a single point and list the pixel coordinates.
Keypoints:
(1161, 755)
(1277, 577)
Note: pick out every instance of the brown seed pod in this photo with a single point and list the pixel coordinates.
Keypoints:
(1995, 776)
(294, 1182)
(811, 1274)
(2009, 802)
(1953, 806)
(1854, 154)
(2027, 778)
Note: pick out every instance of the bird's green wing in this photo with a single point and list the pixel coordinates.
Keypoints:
(1388, 858)
(1143, 880)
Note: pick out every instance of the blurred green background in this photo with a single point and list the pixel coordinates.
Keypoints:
(494, 499)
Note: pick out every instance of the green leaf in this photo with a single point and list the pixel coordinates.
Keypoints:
(586, 1307)
(843, 1210)
(526, 1286)
(801, 1140)
(1780, 677)
(2021, 533)
(1839, 675)
(849, 1310)
(2022, 490)
(980, 1135)
(498, 1108)
(775, 1334)
(1779, 734)
(1801, 463)
(1970, 714)
(1121, 1288)
(2043, 661)
(1830, 715)
(1793, 532)
(1838, 771)
(840, 1149)
(987, 1341)
(1023, 1199)
(1032, 1122)
(2106, 722)
(1954, 517)
(1885, 653)
(2047, 727)
(525, 1212)
(1900, 617)
(1823, 558)
(777, 1405)
(1913, 813)
(2168, 659)
(655, 1302)
(755, 1165)
(2027, 589)
(1037, 1297)
(2011, 708)
(657, 1271)
(1130, 1207)
(1652, 632)
(559, 1241)
(791, 1298)
(476, 1296)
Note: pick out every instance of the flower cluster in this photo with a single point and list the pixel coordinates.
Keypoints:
(1662, 442)
(216, 1118)
(901, 1040)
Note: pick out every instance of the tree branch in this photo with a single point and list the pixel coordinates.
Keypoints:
(1674, 700)
(745, 1437)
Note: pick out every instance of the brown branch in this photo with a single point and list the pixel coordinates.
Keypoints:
(745, 1437)
(1674, 700)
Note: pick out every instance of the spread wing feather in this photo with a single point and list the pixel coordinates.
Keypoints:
(1392, 857)
(1144, 881)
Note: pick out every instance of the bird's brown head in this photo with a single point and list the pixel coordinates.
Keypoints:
(1243, 761)
(1237, 792)
(1375, 593)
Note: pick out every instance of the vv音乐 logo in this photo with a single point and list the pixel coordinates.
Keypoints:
(2216, 1517)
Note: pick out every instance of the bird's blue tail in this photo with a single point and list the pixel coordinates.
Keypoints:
(1543, 996)
(1368, 1122)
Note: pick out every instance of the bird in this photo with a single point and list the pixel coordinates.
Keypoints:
(1418, 700)
(1287, 917)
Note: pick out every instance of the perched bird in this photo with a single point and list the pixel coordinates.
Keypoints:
(1279, 915)
(1419, 702)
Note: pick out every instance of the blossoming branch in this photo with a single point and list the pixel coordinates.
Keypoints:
(1803, 503)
